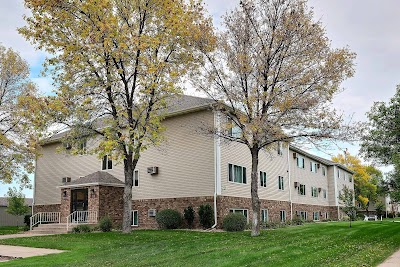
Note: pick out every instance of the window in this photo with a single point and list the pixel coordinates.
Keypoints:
(316, 215)
(136, 178)
(82, 146)
(279, 148)
(350, 178)
(241, 211)
(300, 162)
(303, 215)
(313, 167)
(280, 183)
(264, 216)
(135, 218)
(234, 131)
(338, 173)
(107, 163)
(301, 189)
(314, 191)
(283, 215)
(237, 174)
(323, 170)
(326, 215)
(324, 193)
(263, 179)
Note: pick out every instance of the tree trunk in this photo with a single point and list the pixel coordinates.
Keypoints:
(255, 201)
(127, 198)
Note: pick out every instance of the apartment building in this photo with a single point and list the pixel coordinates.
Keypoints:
(190, 168)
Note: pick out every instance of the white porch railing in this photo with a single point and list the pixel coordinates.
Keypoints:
(44, 217)
(81, 217)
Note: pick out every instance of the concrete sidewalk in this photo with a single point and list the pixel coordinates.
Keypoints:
(7, 251)
(392, 261)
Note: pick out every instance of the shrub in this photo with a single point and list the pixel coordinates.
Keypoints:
(188, 214)
(390, 215)
(82, 228)
(169, 219)
(105, 224)
(206, 215)
(27, 220)
(234, 222)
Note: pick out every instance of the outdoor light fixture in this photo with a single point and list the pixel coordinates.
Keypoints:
(65, 193)
(92, 192)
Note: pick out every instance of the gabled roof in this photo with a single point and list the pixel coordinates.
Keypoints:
(4, 201)
(319, 159)
(96, 178)
(175, 106)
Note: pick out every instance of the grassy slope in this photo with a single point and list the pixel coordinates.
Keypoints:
(8, 230)
(331, 244)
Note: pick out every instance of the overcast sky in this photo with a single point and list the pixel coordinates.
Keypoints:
(367, 27)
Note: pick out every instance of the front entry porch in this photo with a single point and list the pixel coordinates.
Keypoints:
(85, 201)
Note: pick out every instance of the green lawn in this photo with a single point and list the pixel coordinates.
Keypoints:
(323, 244)
(8, 230)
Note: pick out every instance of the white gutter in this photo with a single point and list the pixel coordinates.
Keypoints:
(290, 185)
(217, 165)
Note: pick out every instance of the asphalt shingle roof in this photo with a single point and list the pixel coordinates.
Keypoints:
(99, 177)
(4, 201)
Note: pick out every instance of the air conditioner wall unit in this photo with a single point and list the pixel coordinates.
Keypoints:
(296, 184)
(318, 165)
(152, 213)
(295, 155)
(152, 170)
(319, 189)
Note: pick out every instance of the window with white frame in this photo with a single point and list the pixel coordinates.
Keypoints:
(323, 170)
(107, 163)
(234, 130)
(326, 215)
(300, 161)
(313, 167)
(279, 148)
(350, 178)
(83, 146)
(264, 215)
(241, 211)
(136, 178)
(263, 179)
(338, 173)
(135, 218)
(280, 183)
(325, 195)
(236, 174)
(301, 189)
(316, 215)
(314, 191)
(282, 214)
(303, 215)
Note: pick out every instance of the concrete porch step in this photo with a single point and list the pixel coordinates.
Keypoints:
(53, 228)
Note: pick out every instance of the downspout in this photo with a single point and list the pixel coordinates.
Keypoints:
(217, 165)
(290, 187)
(34, 186)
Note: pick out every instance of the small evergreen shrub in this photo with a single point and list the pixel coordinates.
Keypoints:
(234, 222)
(206, 215)
(105, 224)
(27, 220)
(82, 228)
(188, 214)
(296, 221)
(169, 219)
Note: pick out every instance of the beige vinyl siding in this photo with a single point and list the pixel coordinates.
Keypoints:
(341, 182)
(332, 190)
(309, 179)
(269, 161)
(185, 160)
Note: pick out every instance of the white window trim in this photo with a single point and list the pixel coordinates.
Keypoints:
(138, 175)
(298, 190)
(323, 171)
(133, 221)
(279, 183)
(316, 212)
(314, 189)
(280, 148)
(233, 178)
(265, 211)
(313, 163)
(280, 215)
(304, 162)
(107, 160)
(265, 181)
(305, 217)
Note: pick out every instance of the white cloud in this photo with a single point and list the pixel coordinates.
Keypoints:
(44, 84)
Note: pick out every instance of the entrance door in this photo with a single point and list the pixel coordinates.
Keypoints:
(79, 200)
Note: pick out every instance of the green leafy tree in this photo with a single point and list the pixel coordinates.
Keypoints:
(16, 202)
(116, 64)
(368, 180)
(17, 146)
(346, 197)
(273, 76)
